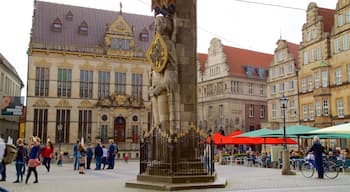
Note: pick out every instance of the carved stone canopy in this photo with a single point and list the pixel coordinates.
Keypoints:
(116, 100)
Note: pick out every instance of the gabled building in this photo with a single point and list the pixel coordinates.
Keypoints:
(232, 88)
(315, 67)
(283, 81)
(88, 76)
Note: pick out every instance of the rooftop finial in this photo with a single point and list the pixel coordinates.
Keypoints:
(121, 6)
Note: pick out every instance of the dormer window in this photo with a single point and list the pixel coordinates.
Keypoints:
(249, 70)
(83, 28)
(144, 35)
(69, 16)
(260, 72)
(57, 25)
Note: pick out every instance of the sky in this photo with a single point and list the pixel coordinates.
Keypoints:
(238, 23)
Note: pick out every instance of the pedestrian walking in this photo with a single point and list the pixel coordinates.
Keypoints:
(98, 156)
(89, 155)
(104, 156)
(33, 161)
(20, 160)
(47, 154)
(82, 158)
(112, 151)
(75, 155)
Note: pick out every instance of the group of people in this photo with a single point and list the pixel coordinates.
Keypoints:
(103, 156)
(32, 155)
(25, 155)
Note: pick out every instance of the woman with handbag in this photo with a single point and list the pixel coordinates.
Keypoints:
(34, 148)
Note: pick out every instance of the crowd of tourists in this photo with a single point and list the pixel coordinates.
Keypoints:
(28, 156)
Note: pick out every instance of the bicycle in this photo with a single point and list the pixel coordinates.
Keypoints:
(331, 170)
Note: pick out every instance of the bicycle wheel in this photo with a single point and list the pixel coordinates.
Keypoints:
(331, 170)
(307, 169)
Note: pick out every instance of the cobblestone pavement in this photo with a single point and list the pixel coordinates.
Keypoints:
(240, 178)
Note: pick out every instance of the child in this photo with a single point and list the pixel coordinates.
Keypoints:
(60, 159)
(126, 158)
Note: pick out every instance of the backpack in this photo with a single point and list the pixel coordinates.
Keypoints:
(10, 153)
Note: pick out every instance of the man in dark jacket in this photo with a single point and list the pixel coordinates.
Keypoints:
(317, 150)
(98, 156)
(89, 155)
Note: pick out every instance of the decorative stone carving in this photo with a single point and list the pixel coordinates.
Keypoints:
(85, 104)
(41, 103)
(63, 104)
(119, 101)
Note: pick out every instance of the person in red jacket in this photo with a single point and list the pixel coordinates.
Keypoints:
(47, 154)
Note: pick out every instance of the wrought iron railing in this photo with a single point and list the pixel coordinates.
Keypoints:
(188, 153)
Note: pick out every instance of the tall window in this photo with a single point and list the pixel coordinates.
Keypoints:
(291, 84)
(136, 86)
(135, 134)
(311, 111)
(336, 45)
(104, 133)
(210, 112)
(273, 89)
(273, 111)
(325, 107)
(292, 108)
(262, 112)
(42, 81)
(305, 117)
(221, 111)
(324, 79)
(64, 82)
(340, 20)
(306, 59)
(345, 42)
(62, 125)
(312, 55)
(250, 88)
(273, 72)
(281, 87)
(290, 68)
(318, 109)
(103, 84)
(338, 78)
(120, 83)
(40, 124)
(86, 84)
(303, 85)
(251, 110)
(317, 80)
(85, 124)
(319, 53)
(262, 90)
(340, 108)
(310, 86)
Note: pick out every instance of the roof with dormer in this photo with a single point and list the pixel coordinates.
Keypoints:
(72, 17)
(239, 59)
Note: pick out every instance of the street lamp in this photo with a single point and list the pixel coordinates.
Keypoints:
(59, 129)
(286, 165)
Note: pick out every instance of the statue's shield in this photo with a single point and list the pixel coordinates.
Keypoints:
(157, 53)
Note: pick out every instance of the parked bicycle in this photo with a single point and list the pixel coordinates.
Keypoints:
(331, 170)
